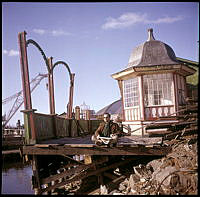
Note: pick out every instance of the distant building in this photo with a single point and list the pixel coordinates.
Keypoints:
(83, 111)
(114, 109)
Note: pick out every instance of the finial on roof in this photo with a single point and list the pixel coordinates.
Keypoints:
(150, 34)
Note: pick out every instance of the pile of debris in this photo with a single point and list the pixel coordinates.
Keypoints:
(174, 174)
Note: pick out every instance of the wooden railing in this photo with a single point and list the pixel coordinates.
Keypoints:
(153, 112)
(48, 126)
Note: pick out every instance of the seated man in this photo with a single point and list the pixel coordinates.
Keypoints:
(107, 132)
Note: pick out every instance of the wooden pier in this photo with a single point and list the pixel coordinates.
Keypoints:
(60, 148)
(62, 151)
(127, 145)
(71, 155)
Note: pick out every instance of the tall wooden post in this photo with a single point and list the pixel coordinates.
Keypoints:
(87, 114)
(70, 104)
(24, 71)
(26, 85)
(77, 113)
(51, 87)
(120, 84)
(141, 97)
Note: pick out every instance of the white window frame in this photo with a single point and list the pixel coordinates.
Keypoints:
(131, 92)
(158, 89)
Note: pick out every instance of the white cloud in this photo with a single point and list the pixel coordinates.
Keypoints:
(39, 31)
(131, 18)
(5, 52)
(125, 20)
(53, 32)
(11, 52)
(60, 33)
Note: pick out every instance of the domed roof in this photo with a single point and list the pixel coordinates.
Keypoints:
(152, 52)
(113, 108)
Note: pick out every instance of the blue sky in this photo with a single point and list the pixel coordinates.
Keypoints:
(94, 39)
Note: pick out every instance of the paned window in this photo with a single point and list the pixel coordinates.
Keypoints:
(131, 92)
(158, 89)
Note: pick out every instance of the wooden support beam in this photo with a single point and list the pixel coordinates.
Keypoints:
(65, 174)
(72, 171)
(125, 150)
(110, 176)
(36, 185)
(114, 183)
(86, 174)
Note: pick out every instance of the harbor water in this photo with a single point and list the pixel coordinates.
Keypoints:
(16, 176)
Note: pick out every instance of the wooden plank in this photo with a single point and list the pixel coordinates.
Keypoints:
(184, 123)
(159, 126)
(158, 131)
(69, 140)
(6, 152)
(66, 173)
(57, 185)
(183, 132)
(80, 145)
(110, 176)
(113, 184)
(86, 141)
(62, 150)
(94, 192)
(136, 140)
(46, 145)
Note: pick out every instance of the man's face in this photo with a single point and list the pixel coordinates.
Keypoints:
(106, 118)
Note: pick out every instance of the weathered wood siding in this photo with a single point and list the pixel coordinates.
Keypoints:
(51, 126)
(84, 125)
(94, 124)
(62, 127)
(44, 126)
(74, 129)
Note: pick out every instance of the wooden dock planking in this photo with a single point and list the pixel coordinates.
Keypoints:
(125, 150)
(127, 145)
(69, 140)
(85, 141)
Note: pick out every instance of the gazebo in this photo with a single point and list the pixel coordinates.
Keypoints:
(152, 85)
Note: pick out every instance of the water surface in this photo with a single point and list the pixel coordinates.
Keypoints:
(16, 177)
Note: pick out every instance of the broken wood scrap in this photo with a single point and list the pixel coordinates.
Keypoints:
(186, 131)
(159, 126)
(136, 140)
(158, 131)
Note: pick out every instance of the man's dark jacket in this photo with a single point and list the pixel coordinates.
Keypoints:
(113, 129)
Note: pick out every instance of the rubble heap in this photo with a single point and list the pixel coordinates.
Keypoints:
(176, 173)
